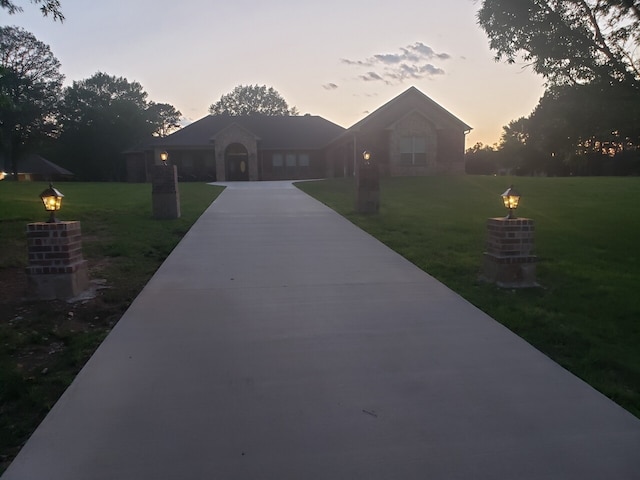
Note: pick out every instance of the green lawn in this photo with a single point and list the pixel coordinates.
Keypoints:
(44, 344)
(586, 315)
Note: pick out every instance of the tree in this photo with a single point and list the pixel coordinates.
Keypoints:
(47, 7)
(567, 41)
(251, 100)
(481, 160)
(101, 117)
(30, 87)
(591, 129)
(164, 117)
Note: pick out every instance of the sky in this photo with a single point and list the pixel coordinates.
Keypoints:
(339, 59)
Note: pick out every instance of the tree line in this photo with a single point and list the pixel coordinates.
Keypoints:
(588, 120)
(84, 127)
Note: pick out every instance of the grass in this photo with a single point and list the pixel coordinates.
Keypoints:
(43, 345)
(586, 316)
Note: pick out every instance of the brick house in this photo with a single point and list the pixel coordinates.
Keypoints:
(253, 147)
(409, 135)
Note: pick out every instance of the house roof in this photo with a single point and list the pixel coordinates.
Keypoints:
(308, 132)
(411, 99)
(35, 164)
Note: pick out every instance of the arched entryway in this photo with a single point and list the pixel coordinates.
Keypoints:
(236, 160)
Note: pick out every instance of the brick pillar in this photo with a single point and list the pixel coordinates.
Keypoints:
(368, 188)
(509, 261)
(164, 194)
(56, 268)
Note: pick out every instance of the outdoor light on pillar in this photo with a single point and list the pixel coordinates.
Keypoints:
(164, 190)
(56, 267)
(367, 185)
(511, 198)
(52, 199)
(509, 261)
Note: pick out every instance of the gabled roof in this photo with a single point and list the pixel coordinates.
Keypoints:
(411, 99)
(308, 132)
(35, 164)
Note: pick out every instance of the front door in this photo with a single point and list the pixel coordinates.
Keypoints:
(237, 163)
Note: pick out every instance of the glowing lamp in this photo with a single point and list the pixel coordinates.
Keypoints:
(511, 198)
(52, 199)
(164, 156)
(366, 155)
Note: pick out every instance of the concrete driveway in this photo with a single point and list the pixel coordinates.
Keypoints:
(279, 341)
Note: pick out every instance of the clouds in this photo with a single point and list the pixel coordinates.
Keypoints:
(371, 77)
(412, 62)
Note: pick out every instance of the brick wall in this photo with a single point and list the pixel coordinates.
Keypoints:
(509, 260)
(510, 237)
(54, 248)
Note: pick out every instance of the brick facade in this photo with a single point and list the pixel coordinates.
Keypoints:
(413, 125)
(509, 260)
(165, 196)
(228, 136)
(56, 267)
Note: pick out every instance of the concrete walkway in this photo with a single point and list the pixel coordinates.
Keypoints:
(278, 341)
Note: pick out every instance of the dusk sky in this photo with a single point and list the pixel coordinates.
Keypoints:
(337, 59)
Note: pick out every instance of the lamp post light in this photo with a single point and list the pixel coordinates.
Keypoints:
(164, 189)
(56, 267)
(52, 199)
(367, 185)
(511, 198)
(509, 259)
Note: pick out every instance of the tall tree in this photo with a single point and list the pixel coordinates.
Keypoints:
(567, 41)
(164, 117)
(101, 117)
(579, 129)
(252, 100)
(47, 7)
(30, 88)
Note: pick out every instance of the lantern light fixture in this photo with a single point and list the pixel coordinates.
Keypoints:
(511, 199)
(366, 156)
(164, 156)
(52, 199)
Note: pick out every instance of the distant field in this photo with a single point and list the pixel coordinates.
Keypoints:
(586, 316)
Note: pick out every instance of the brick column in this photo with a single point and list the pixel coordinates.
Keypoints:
(56, 268)
(509, 261)
(165, 196)
(367, 188)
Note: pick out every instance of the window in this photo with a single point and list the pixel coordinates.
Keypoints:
(303, 160)
(413, 151)
(290, 160)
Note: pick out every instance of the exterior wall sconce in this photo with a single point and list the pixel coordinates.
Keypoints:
(52, 199)
(366, 156)
(511, 198)
(164, 156)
